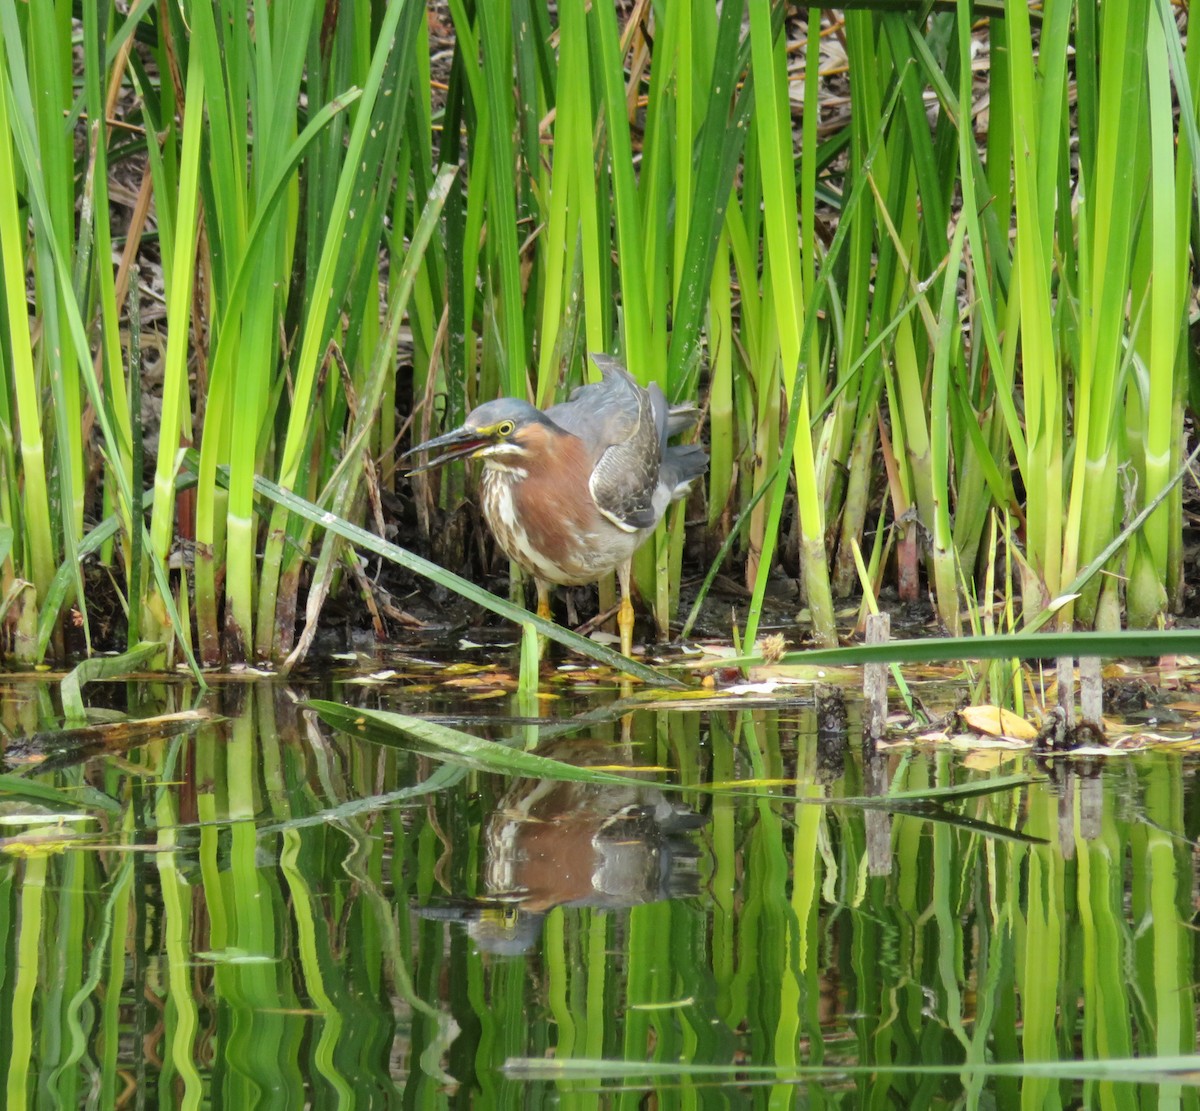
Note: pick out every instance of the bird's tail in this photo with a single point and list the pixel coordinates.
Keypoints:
(681, 417)
(682, 464)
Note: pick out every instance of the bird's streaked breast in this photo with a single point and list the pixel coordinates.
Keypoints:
(542, 512)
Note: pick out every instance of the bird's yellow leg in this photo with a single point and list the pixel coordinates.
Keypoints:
(543, 610)
(625, 613)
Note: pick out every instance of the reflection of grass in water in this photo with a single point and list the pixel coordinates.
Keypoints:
(273, 943)
(1175, 1069)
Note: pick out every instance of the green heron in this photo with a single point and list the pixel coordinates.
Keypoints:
(571, 493)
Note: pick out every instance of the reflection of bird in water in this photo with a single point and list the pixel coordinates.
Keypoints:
(550, 843)
(571, 493)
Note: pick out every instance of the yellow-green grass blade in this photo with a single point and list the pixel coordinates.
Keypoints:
(318, 322)
(573, 113)
(667, 122)
(1146, 596)
(56, 254)
(1122, 644)
(46, 88)
(717, 152)
(179, 304)
(225, 95)
(643, 348)
(96, 47)
(945, 555)
(984, 249)
(798, 398)
(350, 470)
(226, 360)
(773, 117)
(1041, 372)
(495, 34)
(1185, 72)
(385, 727)
(37, 532)
(1106, 227)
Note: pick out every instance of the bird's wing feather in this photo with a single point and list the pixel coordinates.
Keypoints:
(625, 426)
(625, 478)
(603, 412)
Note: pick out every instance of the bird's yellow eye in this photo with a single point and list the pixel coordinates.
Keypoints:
(505, 428)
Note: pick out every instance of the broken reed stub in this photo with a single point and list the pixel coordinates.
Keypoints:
(1091, 690)
(875, 681)
(1065, 668)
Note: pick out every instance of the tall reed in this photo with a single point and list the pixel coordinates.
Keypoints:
(1002, 324)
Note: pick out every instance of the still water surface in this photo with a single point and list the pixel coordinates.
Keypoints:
(265, 913)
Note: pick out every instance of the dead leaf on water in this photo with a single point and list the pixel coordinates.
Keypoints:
(712, 653)
(931, 671)
(1176, 742)
(781, 674)
(489, 679)
(997, 722)
(373, 678)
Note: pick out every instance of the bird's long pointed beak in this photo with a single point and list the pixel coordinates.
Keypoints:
(463, 443)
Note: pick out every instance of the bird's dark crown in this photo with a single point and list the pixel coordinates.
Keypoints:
(503, 428)
(492, 416)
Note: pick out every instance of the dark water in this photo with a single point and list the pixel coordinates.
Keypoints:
(265, 913)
